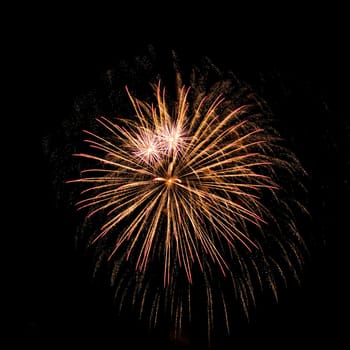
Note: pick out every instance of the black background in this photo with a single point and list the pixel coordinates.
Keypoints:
(57, 55)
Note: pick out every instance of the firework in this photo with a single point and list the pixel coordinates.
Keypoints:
(192, 195)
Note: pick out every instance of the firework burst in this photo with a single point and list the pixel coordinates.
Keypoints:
(193, 193)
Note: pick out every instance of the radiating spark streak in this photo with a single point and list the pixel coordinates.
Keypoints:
(130, 209)
(110, 194)
(236, 208)
(147, 243)
(217, 223)
(216, 129)
(115, 164)
(221, 152)
(186, 233)
(201, 235)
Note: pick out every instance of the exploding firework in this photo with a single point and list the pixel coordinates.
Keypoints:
(195, 199)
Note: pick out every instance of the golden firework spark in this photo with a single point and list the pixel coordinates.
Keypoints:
(191, 184)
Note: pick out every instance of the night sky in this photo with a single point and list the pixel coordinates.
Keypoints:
(301, 68)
